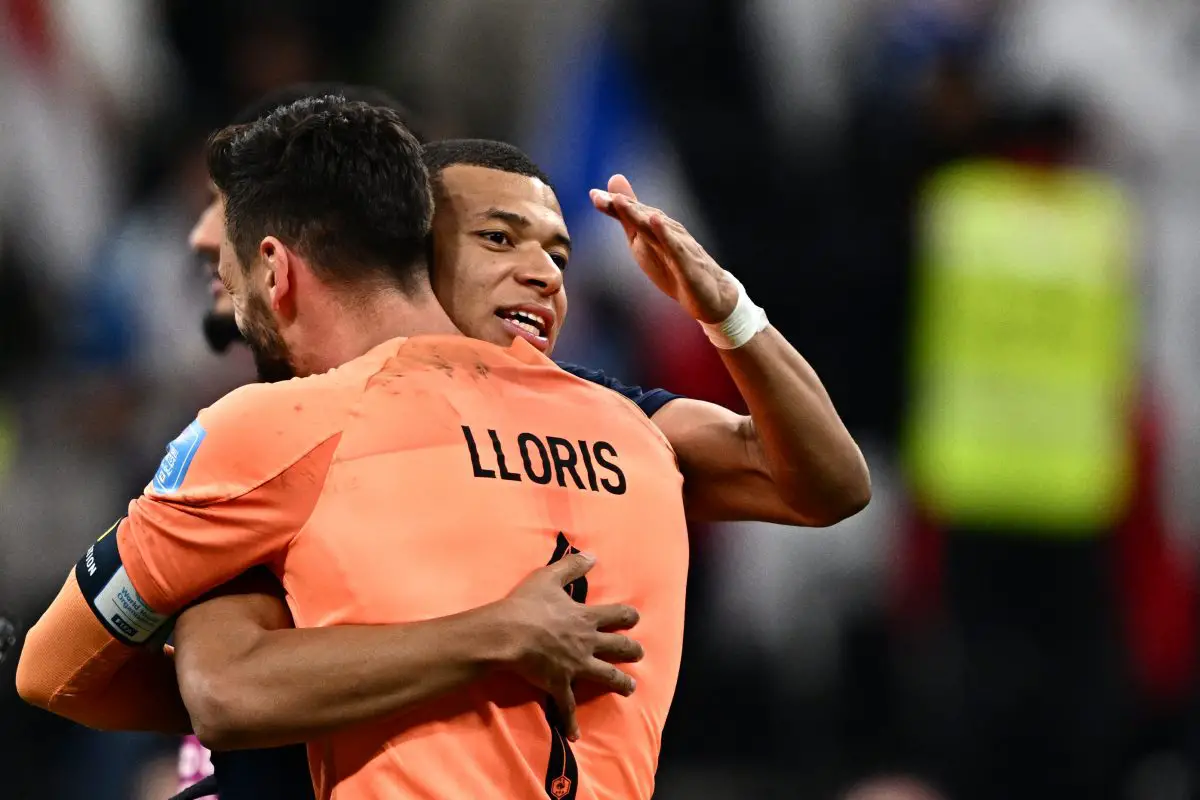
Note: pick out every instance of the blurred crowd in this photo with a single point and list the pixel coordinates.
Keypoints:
(977, 219)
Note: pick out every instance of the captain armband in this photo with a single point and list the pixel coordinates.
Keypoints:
(110, 594)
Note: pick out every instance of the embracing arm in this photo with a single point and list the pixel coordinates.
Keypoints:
(251, 680)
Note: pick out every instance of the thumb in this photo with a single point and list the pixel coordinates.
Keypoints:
(619, 184)
(572, 567)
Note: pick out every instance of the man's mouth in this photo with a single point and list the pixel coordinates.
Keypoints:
(531, 323)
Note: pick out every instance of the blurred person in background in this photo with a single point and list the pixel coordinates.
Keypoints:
(823, 102)
(1019, 445)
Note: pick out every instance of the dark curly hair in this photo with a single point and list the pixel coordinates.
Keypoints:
(341, 182)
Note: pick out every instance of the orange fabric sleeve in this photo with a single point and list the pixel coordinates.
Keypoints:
(176, 551)
(232, 491)
(72, 666)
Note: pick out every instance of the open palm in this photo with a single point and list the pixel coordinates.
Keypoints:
(669, 255)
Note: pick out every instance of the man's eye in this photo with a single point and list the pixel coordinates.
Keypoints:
(496, 237)
(559, 259)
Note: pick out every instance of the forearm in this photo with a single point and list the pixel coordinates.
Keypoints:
(815, 464)
(289, 686)
(792, 460)
(72, 667)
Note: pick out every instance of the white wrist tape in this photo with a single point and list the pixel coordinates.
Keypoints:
(739, 327)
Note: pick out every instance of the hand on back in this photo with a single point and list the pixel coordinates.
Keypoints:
(557, 641)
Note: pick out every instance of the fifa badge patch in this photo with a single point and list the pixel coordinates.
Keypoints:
(175, 463)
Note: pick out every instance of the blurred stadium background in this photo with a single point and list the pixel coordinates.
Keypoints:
(979, 221)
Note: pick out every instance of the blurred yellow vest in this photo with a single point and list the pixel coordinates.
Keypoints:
(1024, 355)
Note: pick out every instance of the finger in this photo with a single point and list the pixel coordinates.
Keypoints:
(618, 649)
(631, 210)
(605, 202)
(614, 617)
(641, 216)
(168, 651)
(676, 244)
(571, 567)
(602, 201)
(610, 677)
(564, 700)
(634, 218)
(674, 237)
(619, 184)
(673, 225)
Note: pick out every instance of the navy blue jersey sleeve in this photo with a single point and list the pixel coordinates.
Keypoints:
(648, 401)
(278, 773)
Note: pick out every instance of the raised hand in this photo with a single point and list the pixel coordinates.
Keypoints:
(669, 255)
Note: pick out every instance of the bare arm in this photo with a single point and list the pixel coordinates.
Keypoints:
(792, 460)
(250, 680)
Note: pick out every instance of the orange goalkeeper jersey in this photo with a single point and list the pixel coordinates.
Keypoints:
(423, 479)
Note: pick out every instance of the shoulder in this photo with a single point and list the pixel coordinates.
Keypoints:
(650, 401)
(607, 396)
(250, 436)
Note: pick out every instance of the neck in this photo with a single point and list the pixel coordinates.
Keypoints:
(355, 325)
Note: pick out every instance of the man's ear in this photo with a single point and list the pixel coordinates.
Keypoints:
(278, 275)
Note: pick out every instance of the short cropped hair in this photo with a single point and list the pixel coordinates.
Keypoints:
(289, 94)
(341, 182)
(486, 153)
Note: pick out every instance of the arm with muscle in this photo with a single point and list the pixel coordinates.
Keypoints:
(792, 460)
(250, 680)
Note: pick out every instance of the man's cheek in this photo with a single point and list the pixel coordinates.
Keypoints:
(562, 320)
(223, 304)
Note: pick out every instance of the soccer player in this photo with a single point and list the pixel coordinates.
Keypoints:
(309, 477)
(497, 228)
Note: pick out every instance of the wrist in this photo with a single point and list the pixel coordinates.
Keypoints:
(743, 323)
(499, 642)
